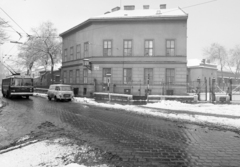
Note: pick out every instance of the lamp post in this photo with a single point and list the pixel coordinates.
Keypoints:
(108, 86)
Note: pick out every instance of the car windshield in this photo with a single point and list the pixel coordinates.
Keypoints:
(66, 88)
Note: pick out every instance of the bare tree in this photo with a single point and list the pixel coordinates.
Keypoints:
(234, 61)
(3, 34)
(43, 47)
(217, 53)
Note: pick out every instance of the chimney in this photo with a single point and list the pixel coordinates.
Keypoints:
(107, 12)
(163, 6)
(129, 7)
(204, 61)
(145, 6)
(116, 9)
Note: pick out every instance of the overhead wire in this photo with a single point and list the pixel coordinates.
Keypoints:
(14, 21)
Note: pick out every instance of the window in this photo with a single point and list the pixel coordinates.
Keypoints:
(148, 76)
(170, 75)
(148, 48)
(127, 44)
(127, 75)
(71, 76)
(77, 76)
(57, 78)
(78, 51)
(106, 75)
(65, 55)
(71, 53)
(85, 76)
(107, 48)
(170, 47)
(86, 48)
(65, 77)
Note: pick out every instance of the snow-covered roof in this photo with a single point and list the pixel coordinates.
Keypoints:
(176, 12)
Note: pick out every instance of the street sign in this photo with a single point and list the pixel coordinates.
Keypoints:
(96, 67)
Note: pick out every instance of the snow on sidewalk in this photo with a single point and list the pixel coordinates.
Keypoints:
(59, 152)
(227, 115)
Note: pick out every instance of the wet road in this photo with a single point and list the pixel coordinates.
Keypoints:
(131, 139)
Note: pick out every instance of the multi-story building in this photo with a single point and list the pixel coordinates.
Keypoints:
(130, 51)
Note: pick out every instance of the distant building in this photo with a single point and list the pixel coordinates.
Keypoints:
(207, 71)
(132, 50)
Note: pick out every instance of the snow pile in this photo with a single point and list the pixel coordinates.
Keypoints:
(218, 114)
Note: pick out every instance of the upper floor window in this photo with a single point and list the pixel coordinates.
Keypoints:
(71, 53)
(77, 76)
(148, 48)
(170, 50)
(65, 55)
(107, 75)
(65, 77)
(85, 76)
(107, 48)
(71, 76)
(78, 51)
(170, 75)
(127, 44)
(148, 76)
(86, 49)
(127, 75)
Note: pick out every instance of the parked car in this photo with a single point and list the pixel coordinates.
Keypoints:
(60, 92)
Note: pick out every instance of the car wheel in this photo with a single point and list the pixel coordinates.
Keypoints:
(49, 98)
(27, 97)
(55, 98)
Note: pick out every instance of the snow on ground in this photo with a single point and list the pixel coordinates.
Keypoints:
(58, 152)
(219, 114)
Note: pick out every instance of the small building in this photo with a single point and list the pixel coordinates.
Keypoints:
(203, 73)
(131, 51)
(44, 80)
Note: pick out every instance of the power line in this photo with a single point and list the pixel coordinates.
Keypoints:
(10, 26)
(191, 6)
(14, 21)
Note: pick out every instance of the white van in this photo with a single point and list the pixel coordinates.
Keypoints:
(60, 92)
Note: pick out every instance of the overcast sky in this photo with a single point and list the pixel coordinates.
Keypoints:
(216, 21)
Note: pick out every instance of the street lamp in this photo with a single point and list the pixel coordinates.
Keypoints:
(108, 87)
(87, 64)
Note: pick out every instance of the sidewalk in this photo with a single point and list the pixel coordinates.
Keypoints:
(61, 152)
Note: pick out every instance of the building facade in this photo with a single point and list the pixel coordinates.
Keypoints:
(129, 51)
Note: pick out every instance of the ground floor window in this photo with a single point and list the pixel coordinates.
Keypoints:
(71, 76)
(77, 76)
(170, 75)
(85, 76)
(127, 75)
(107, 75)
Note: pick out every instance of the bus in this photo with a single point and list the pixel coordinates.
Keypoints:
(17, 85)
